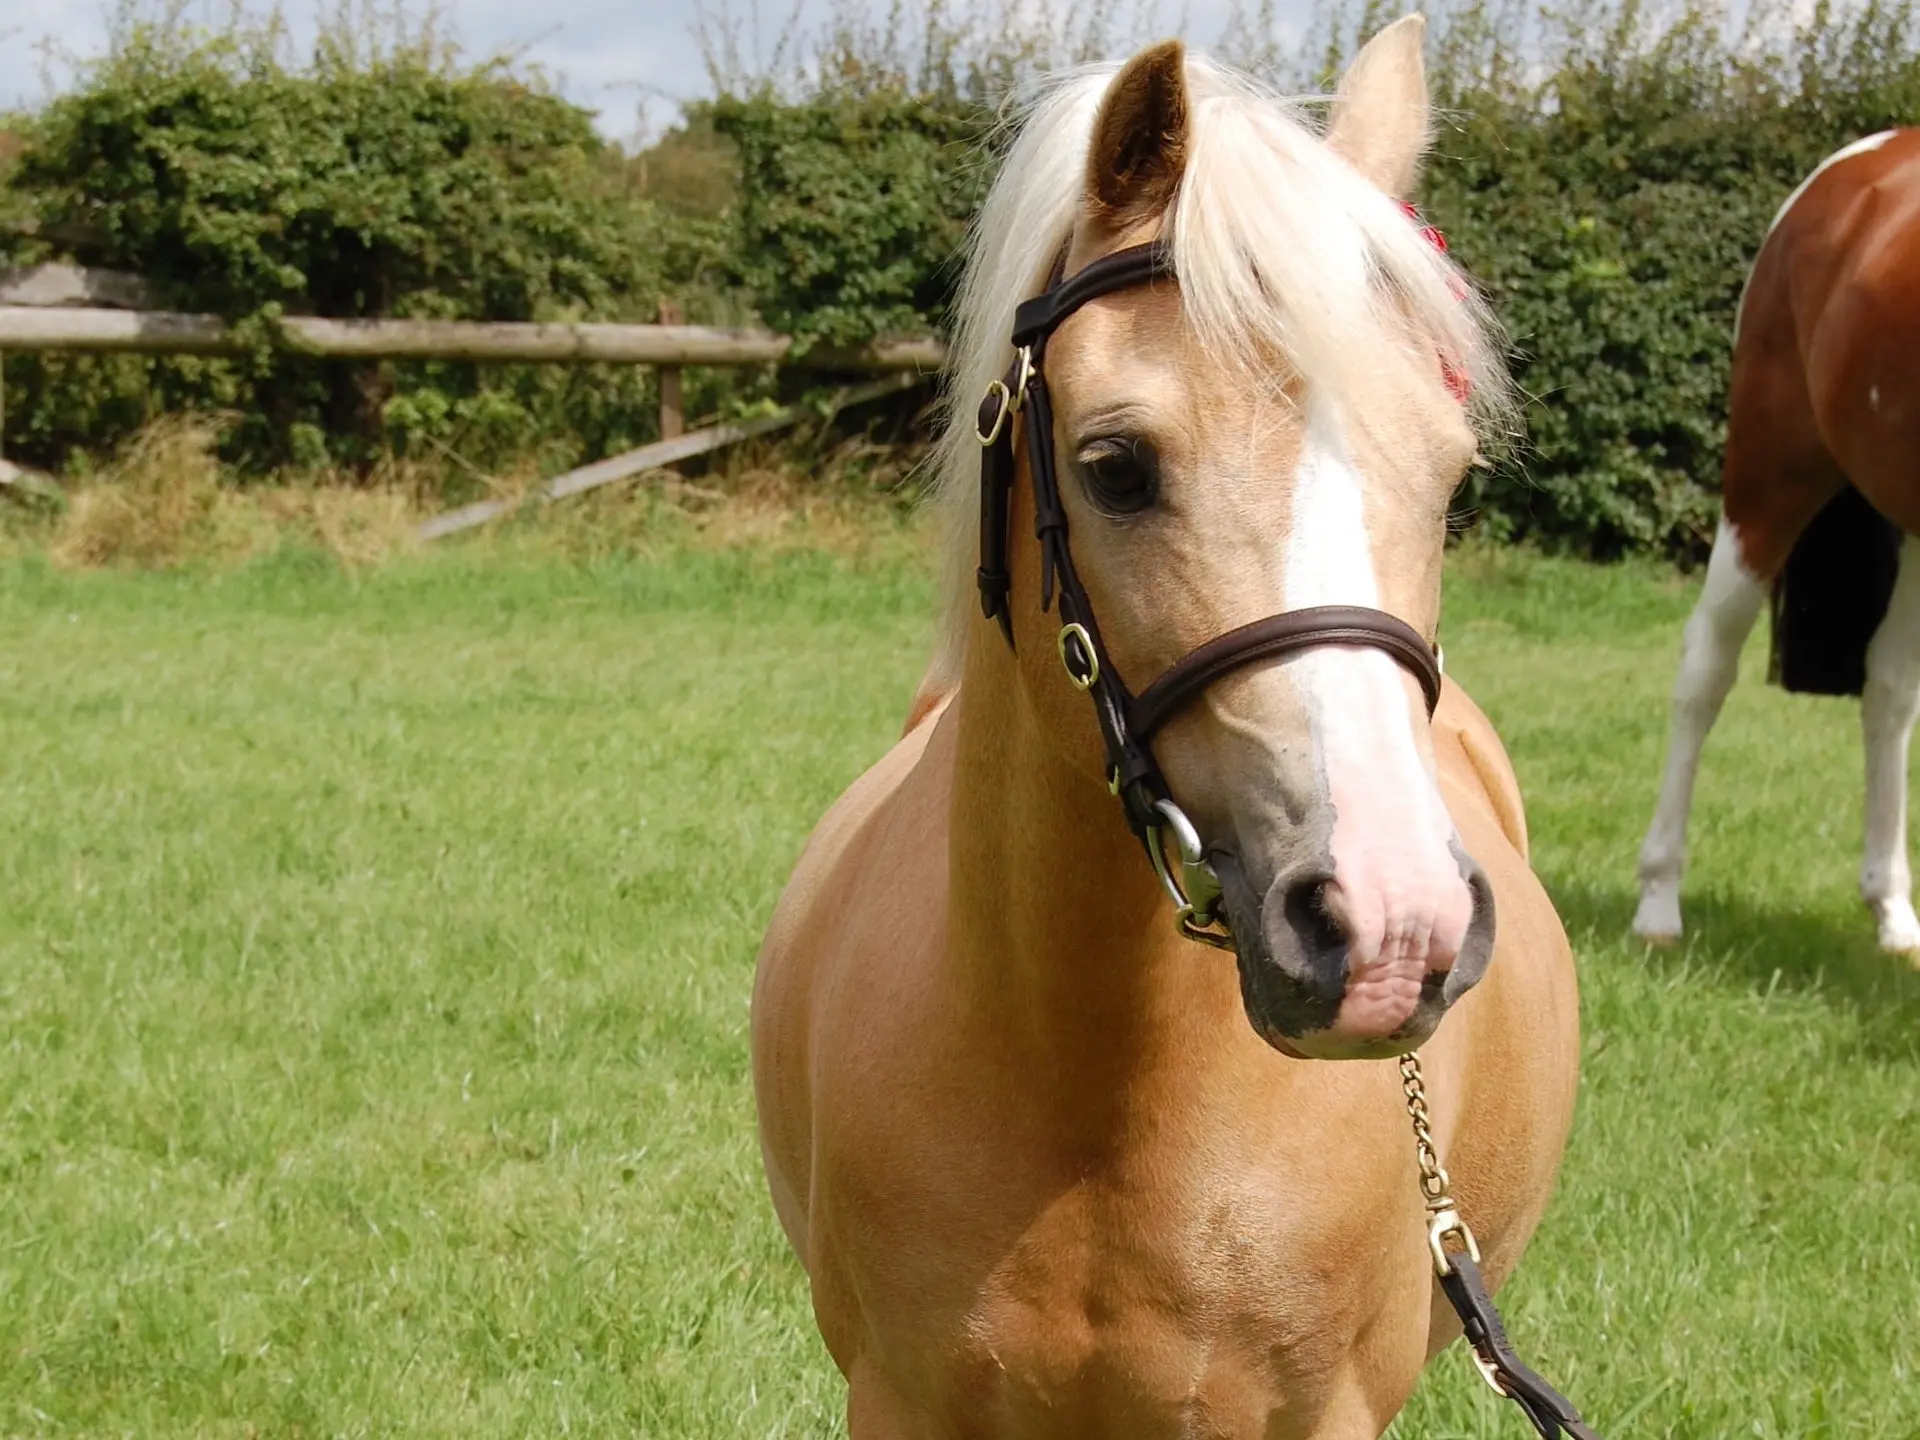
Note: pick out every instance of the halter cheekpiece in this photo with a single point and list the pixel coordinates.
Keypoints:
(1128, 722)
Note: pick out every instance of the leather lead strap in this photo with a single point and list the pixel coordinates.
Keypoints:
(1551, 1412)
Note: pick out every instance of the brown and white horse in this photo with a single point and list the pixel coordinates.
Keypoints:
(1043, 1175)
(1820, 505)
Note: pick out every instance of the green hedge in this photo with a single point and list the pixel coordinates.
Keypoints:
(852, 210)
(1611, 205)
(1611, 212)
(1614, 234)
(393, 188)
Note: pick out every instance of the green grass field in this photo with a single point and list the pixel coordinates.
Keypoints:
(374, 961)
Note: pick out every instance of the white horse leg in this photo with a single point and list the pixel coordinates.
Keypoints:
(1709, 661)
(1887, 710)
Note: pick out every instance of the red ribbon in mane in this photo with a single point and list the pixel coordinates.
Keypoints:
(1458, 383)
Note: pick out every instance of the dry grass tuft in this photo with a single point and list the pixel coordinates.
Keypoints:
(158, 503)
(163, 502)
(166, 501)
(854, 498)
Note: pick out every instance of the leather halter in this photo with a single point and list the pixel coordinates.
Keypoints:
(1128, 722)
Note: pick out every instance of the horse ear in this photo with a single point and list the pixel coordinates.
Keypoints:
(1139, 148)
(1381, 121)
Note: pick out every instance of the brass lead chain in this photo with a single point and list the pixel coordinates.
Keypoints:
(1443, 1220)
(1433, 1177)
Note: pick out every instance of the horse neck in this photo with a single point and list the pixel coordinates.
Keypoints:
(1061, 941)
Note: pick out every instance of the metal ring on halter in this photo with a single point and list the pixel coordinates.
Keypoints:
(1083, 642)
(1197, 931)
(1026, 374)
(1197, 890)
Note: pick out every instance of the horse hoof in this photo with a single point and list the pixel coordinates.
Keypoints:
(1657, 920)
(1899, 927)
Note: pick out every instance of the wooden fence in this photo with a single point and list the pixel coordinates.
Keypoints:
(160, 332)
(59, 308)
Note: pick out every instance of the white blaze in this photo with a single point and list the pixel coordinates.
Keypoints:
(1399, 886)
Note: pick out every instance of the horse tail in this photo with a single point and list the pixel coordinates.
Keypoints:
(1831, 596)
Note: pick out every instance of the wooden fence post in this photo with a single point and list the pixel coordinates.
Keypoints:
(673, 415)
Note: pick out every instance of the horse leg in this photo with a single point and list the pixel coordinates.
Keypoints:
(1709, 661)
(875, 1411)
(1353, 1412)
(1888, 706)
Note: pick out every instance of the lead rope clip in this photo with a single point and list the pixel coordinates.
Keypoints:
(1457, 1267)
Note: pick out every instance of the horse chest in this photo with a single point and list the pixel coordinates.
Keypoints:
(1186, 1325)
(1133, 1299)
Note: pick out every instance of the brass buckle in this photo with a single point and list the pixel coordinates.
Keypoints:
(1444, 1223)
(1010, 400)
(995, 387)
(1447, 1222)
(1077, 633)
(1488, 1373)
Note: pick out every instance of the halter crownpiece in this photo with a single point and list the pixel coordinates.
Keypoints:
(1129, 722)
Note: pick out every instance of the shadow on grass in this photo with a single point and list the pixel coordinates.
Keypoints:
(1746, 945)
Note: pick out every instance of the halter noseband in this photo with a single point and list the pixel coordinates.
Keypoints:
(1128, 722)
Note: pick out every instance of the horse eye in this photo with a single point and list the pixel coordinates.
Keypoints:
(1122, 475)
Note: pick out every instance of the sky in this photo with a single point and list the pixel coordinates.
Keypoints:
(613, 56)
(632, 61)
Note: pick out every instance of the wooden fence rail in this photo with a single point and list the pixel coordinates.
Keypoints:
(161, 332)
(46, 317)
(658, 456)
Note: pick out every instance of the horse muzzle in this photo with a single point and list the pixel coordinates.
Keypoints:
(1337, 967)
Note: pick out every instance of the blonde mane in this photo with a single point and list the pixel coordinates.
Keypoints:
(1281, 248)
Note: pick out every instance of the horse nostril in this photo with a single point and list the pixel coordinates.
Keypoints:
(1319, 930)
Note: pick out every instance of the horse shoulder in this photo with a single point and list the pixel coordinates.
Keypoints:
(1503, 1068)
(1470, 755)
(847, 873)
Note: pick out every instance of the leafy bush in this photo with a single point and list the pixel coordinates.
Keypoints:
(1606, 178)
(393, 185)
(1613, 214)
(852, 209)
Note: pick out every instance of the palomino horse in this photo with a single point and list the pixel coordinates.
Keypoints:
(1820, 485)
(1044, 1177)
